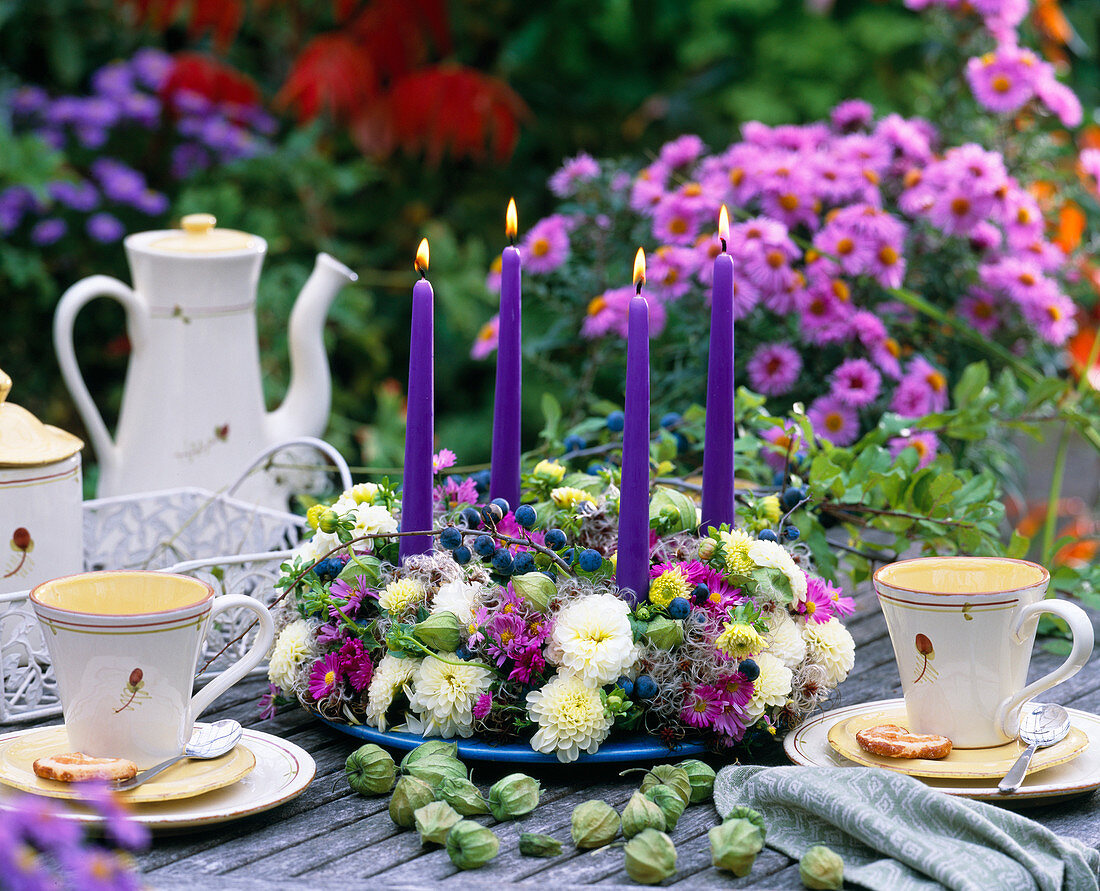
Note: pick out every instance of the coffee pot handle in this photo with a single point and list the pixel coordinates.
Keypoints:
(259, 649)
(72, 301)
(1007, 716)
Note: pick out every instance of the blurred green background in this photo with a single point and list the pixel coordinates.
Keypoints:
(610, 77)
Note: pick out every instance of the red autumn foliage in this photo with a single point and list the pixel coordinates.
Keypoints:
(374, 75)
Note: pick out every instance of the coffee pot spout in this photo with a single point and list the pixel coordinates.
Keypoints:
(305, 410)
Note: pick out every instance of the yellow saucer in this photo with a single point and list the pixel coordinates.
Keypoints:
(961, 764)
(183, 780)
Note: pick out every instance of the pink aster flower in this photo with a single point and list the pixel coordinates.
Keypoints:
(492, 280)
(852, 114)
(608, 313)
(324, 676)
(774, 369)
(443, 459)
(702, 706)
(546, 245)
(825, 317)
(487, 338)
(356, 664)
(925, 442)
(669, 271)
(681, 151)
(1089, 160)
(483, 706)
(856, 383)
(676, 221)
(781, 441)
(477, 627)
(1053, 315)
(736, 693)
(574, 171)
(745, 298)
(819, 602)
(1004, 80)
(528, 661)
(648, 189)
(454, 492)
(1059, 98)
(833, 420)
(979, 308)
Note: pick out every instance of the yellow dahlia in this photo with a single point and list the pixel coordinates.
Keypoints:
(667, 586)
(570, 715)
(549, 470)
(739, 640)
(735, 548)
(568, 497)
(398, 596)
(293, 646)
(363, 493)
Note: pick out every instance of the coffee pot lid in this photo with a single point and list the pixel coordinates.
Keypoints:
(199, 235)
(25, 441)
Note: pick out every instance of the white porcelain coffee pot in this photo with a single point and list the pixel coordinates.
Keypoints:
(192, 409)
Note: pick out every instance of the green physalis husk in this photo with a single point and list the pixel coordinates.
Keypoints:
(437, 768)
(665, 633)
(734, 845)
(641, 813)
(409, 795)
(370, 770)
(650, 857)
(470, 845)
(532, 844)
(821, 869)
(434, 820)
(701, 776)
(463, 796)
(741, 812)
(669, 801)
(440, 631)
(429, 749)
(513, 796)
(535, 588)
(594, 824)
(671, 775)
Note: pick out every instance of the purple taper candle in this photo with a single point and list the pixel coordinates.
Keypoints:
(718, 460)
(632, 562)
(504, 478)
(416, 489)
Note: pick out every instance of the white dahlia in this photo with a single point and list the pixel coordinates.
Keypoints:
(772, 687)
(571, 717)
(390, 675)
(784, 640)
(594, 638)
(313, 549)
(292, 647)
(773, 555)
(443, 694)
(457, 597)
(831, 646)
(373, 519)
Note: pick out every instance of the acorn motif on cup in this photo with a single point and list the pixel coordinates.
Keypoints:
(927, 654)
(22, 543)
(133, 691)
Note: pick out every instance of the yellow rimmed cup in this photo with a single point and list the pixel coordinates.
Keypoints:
(963, 630)
(125, 647)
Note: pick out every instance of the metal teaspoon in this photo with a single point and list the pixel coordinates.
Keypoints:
(207, 741)
(1044, 725)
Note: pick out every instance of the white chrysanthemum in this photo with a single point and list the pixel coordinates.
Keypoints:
(390, 675)
(456, 597)
(784, 640)
(315, 548)
(444, 694)
(830, 645)
(398, 596)
(373, 519)
(292, 647)
(772, 687)
(570, 715)
(594, 637)
(773, 555)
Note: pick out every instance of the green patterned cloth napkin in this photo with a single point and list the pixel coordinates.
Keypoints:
(896, 834)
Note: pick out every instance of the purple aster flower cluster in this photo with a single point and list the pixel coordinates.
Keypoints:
(512, 635)
(124, 117)
(42, 848)
(719, 707)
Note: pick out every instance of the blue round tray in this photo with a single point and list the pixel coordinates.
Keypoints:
(632, 748)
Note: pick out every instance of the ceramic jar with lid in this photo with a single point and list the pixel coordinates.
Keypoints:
(41, 498)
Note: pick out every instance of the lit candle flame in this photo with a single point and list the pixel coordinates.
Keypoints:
(639, 269)
(511, 221)
(422, 257)
(724, 226)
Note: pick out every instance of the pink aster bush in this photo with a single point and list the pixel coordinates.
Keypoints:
(875, 256)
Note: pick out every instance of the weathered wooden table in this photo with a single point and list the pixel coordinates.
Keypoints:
(331, 837)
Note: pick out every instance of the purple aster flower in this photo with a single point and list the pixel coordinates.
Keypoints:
(736, 693)
(152, 203)
(781, 441)
(28, 100)
(115, 80)
(669, 271)
(90, 137)
(1004, 80)
(141, 108)
(922, 390)
(852, 114)
(979, 308)
(1059, 98)
(925, 442)
(487, 338)
(529, 661)
(151, 67)
(48, 231)
(820, 600)
(328, 633)
(483, 706)
(574, 171)
(1053, 315)
(608, 313)
(118, 182)
(97, 112)
(63, 110)
(1089, 159)
(702, 706)
(188, 159)
(833, 420)
(476, 628)
(97, 869)
(681, 151)
(104, 228)
(676, 221)
(443, 459)
(454, 492)
(80, 195)
(356, 664)
(508, 633)
(774, 369)
(856, 383)
(42, 822)
(825, 317)
(324, 676)
(546, 245)
(124, 831)
(267, 702)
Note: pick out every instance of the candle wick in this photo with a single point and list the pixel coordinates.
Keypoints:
(638, 292)
(421, 271)
(723, 243)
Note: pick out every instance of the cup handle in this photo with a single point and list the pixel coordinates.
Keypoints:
(1080, 626)
(201, 700)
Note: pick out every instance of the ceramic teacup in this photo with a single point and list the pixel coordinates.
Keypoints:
(125, 647)
(963, 630)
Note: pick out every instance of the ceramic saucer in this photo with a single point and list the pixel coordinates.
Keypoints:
(283, 771)
(18, 751)
(809, 745)
(960, 764)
